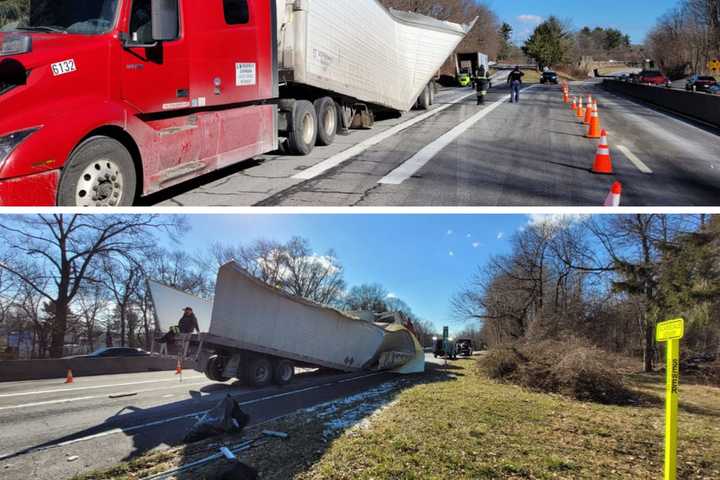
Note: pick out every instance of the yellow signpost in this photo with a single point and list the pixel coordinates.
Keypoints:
(671, 332)
(714, 66)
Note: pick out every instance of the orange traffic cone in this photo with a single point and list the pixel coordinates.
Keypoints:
(589, 99)
(603, 161)
(614, 197)
(566, 96)
(594, 130)
(574, 104)
(588, 112)
(580, 112)
(69, 378)
(178, 367)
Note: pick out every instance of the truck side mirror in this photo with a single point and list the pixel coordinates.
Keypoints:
(165, 20)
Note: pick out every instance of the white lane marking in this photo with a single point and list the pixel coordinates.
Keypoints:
(634, 159)
(360, 378)
(93, 397)
(95, 387)
(166, 420)
(342, 157)
(421, 158)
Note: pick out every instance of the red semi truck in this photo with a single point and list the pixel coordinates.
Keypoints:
(104, 101)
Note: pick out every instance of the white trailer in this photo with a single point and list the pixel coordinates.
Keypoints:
(259, 334)
(362, 50)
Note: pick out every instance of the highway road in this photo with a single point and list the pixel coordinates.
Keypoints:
(106, 419)
(498, 154)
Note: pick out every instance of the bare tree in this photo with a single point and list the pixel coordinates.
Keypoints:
(56, 254)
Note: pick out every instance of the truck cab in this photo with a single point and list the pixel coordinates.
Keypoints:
(108, 100)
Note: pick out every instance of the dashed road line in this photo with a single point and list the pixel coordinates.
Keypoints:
(634, 159)
(94, 387)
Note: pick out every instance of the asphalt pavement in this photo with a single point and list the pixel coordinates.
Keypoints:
(104, 420)
(498, 154)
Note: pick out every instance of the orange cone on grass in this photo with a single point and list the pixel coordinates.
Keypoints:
(614, 197)
(69, 378)
(603, 161)
(594, 130)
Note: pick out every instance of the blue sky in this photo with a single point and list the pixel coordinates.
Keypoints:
(423, 259)
(634, 17)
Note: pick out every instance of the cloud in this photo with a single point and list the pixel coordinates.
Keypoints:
(555, 219)
(450, 232)
(391, 295)
(451, 253)
(476, 244)
(469, 235)
(500, 235)
(530, 19)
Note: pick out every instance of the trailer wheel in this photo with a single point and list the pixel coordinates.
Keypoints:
(302, 128)
(99, 173)
(259, 372)
(214, 369)
(283, 372)
(425, 99)
(327, 115)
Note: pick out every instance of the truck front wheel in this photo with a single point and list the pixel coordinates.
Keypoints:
(283, 372)
(302, 128)
(327, 115)
(259, 372)
(99, 173)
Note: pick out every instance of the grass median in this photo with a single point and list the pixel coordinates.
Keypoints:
(457, 423)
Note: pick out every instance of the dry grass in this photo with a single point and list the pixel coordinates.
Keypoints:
(460, 424)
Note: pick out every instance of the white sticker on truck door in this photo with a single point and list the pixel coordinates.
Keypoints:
(61, 68)
(245, 74)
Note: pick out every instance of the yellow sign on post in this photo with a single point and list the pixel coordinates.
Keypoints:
(671, 332)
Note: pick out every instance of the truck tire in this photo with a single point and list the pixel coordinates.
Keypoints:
(425, 99)
(213, 369)
(99, 173)
(327, 115)
(302, 128)
(283, 372)
(259, 372)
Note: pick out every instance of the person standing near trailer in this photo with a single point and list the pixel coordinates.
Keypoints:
(188, 324)
(515, 81)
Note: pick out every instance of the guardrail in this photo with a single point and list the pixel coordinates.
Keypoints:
(19, 370)
(701, 107)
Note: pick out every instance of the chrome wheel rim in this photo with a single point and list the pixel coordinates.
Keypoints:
(308, 128)
(100, 185)
(329, 120)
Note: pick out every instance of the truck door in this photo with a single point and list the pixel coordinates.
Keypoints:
(154, 78)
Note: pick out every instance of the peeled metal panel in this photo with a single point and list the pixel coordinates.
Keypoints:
(168, 303)
(360, 49)
(250, 311)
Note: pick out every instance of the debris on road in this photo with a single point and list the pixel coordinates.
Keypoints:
(72, 458)
(225, 417)
(123, 395)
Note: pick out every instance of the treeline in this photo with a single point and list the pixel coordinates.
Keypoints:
(12, 10)
(686, 38)
(68, 280)
(605, 279)
(553, 43)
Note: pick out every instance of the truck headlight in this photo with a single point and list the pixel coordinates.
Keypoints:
(8, 143)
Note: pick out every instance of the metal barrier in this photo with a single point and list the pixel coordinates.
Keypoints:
(702, 107)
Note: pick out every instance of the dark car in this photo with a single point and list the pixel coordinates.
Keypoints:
(549, 77)
(714, 90)
(652, 77)
(464, 347)
(107, 352)
(700, 83)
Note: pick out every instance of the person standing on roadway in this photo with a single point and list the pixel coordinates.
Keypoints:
(187, 325)
(515, 81)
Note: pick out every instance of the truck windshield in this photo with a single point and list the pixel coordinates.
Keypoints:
(86, 17)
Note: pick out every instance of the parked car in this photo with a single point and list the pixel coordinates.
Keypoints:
(653, 77)
(714, 90)
(110, 352)
(549, 77)
(633, 78)
(700, 83)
